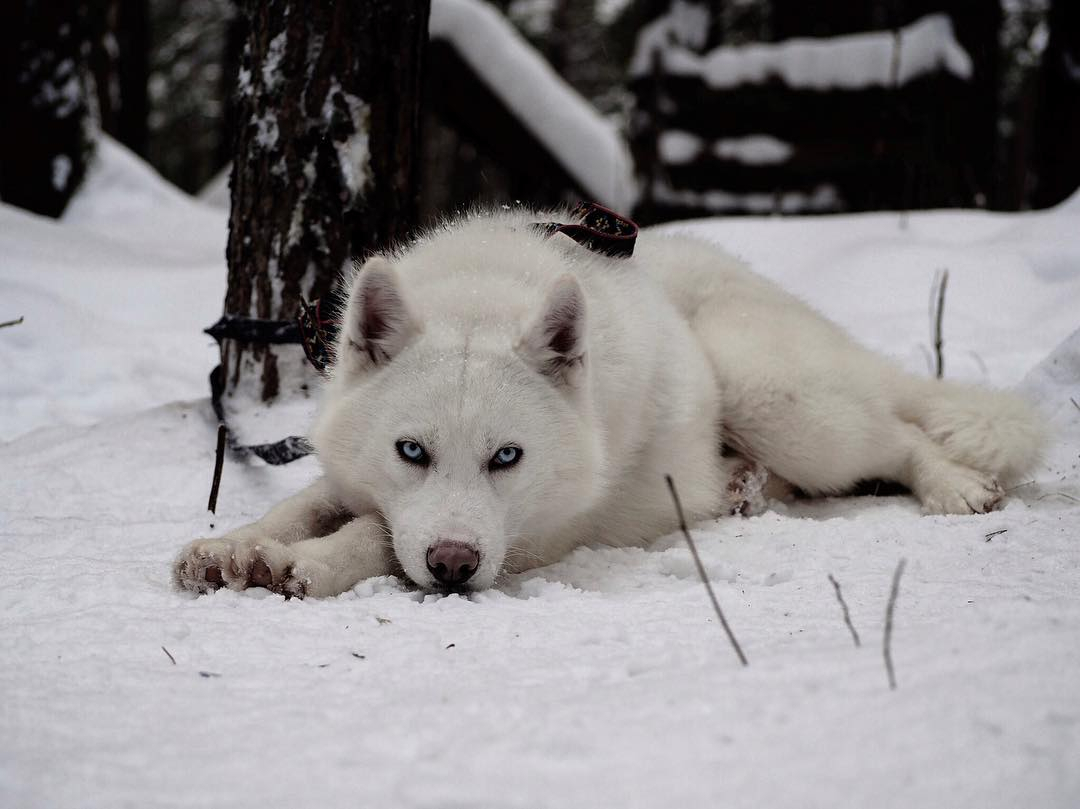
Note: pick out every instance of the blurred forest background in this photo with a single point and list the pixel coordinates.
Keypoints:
(161, 77)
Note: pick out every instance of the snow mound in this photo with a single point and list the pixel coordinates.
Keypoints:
(216, 193)
(114, 298)
(123, 198)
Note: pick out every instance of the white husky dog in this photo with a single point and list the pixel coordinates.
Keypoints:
(500, 397)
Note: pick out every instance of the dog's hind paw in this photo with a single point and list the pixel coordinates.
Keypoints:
(746, 489)
(210, 564)
(962, 491)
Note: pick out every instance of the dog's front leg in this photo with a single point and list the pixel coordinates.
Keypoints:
(317, 567)
(241, 557)
(332, 564)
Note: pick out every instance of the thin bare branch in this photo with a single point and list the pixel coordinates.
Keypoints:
(941, 280)
(843, 607)
(1060, 494)
(14, 322)
(166, 651)
(887, 643)
(219, 462)
(701, 571)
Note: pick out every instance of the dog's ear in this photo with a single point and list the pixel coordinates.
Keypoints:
(555, 341)
(377, 322)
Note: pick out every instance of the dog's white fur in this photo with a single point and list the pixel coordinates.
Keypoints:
(608, 373)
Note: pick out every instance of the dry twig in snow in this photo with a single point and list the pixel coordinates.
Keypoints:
(843, 606)
(887, 644)
(219, 461)
(166, 651)
(14, 322)
(937, 309)
(701, 571)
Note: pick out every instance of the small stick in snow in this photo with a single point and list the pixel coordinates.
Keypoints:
(219, 461)
(1019, 486)
(166, 651)
(14, 322)
(938, 311)
(1076, 404)
(701, 571)
(887, 644)
(993, 534)
(1060, 494)
(843, 606)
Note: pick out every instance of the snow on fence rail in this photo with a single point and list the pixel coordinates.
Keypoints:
(849, 62)
(857, 121)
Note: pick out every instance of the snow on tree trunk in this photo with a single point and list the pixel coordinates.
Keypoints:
(325, 164)
(45, 92)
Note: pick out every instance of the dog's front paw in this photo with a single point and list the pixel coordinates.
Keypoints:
(209, 564)
(746, 489)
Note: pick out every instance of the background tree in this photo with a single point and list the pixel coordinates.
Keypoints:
(1057, 168)
(325, 163)
(45, 94)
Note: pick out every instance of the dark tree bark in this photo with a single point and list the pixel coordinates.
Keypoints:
(45, 127)
(326, 163)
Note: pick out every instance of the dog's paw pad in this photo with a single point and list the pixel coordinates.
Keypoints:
(210, 564)
(261, 575)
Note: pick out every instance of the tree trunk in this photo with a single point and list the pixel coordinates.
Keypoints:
(325, 164)
(45, 130)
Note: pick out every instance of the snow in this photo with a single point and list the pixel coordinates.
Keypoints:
(677, 147)
(354, 155)
(216, 193)
(590, 147)
(849, 62)
(823, 198)
(754, 150)
(271, 66)
(61, 171)
(115, 297)
(602, 680)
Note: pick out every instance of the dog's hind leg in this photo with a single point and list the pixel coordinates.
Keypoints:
(942, 485)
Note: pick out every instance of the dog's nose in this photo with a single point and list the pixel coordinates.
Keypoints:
(452, 562)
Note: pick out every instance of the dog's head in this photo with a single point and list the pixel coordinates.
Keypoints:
(466, 423)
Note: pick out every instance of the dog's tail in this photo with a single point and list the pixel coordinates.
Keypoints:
(996, 432)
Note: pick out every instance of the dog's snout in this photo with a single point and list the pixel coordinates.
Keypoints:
(452, 562)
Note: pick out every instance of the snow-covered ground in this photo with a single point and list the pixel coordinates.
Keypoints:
(603, 680)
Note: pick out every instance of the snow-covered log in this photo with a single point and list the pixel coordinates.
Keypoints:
(588, 147)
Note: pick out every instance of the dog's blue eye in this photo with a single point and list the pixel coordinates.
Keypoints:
(505, 457)
(412, 452)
